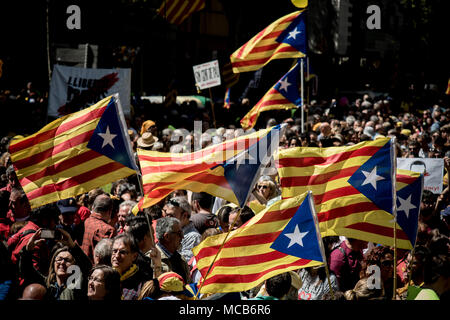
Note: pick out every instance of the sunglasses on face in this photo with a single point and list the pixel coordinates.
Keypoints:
(174, 203)
(262, 187)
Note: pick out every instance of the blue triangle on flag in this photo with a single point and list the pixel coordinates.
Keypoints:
(108, 138)
(408, 208)
(288, 85)
(240, 170)
(299, 237)
(374, 178)
(295, 34)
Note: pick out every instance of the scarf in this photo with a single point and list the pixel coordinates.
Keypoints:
(129, 273)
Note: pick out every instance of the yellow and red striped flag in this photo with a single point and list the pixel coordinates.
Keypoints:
(352, 187)
(74, 154)
(229, 77)
(283, 95)
(260, 249)
(284, 38)
(227, 170)
(176, 11)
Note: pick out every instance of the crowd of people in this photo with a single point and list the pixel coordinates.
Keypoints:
(92, 247)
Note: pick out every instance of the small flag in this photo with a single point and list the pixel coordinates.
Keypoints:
(74, 154)
(176, 11)
(229, 77)
(283, 95)
(284, 38)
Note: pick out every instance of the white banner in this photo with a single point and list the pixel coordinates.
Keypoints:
(433, 169)
(207, 74)
(73, 89)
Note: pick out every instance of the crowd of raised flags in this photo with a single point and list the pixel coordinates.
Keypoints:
(352, 191)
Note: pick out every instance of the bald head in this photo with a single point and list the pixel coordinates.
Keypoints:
(34, 291)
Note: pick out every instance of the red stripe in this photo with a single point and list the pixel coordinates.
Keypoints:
(405, 179)
(270, 102)
(298, 162)
(176, 4)
(167, 275)
(249, 260)
(261, 61)
(177, 168)
(76, 180)
(65, 145)
(344, 211)
(376, 229)
(40, 137)
(247, 278)
(317, 179)
(332, 194)
(61, 166)
(226, 147)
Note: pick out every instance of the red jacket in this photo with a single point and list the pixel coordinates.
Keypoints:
(41, 253)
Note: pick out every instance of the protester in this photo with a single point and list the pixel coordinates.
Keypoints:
(104, 283)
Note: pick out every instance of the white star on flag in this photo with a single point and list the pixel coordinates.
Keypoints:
(406, 205)
(372, 177)
(294, 33)
(296, 237)
(107, 137)
(284, 84)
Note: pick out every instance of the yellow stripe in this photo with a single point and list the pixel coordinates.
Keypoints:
(69, 173)
(85, 187)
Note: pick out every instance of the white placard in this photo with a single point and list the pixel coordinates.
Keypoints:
(207, 74)
(87, 85)
(433, 169)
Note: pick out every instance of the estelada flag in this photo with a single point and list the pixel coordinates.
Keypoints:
(176, 11)
(353, 188)
(281, 238)
(227, 170)
(284, 38)
(74, 154)
(283, 95)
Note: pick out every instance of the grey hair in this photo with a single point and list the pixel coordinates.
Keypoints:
(183, 202)
(127, 203)
(165, 225)
(103, 249)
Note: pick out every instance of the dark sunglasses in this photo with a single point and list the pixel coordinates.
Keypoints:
(174, 203)
(262, 187)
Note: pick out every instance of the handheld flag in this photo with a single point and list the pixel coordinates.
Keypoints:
(284, 38)
(256, 251)
(227, 170)
(226, 101)
(176, 11)
(409, 189)
(283, 95)
(74, 154)
(353, 188)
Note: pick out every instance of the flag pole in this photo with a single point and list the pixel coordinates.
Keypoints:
(302, 96)
(212, 108)
(319, 236)
(394, 210)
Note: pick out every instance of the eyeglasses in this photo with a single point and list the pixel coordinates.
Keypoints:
(62, 259)
(121, 252)
(174, 203)
(96, 279)
(262, 187)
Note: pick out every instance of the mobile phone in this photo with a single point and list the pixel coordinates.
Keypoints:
(47, 234)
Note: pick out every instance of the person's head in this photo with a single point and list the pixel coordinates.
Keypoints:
(414, 148)
(202, 201)
(104, 283)
(138, 226)
(279, 285)
(19, 204)
(223, 214)
(103, 252)
(266, 186)
(427, 205)
(125, 208)
(103, 204)
(124, 252)
(34, 291)
(169, 233)
(178, 207)
(45, 216)
(325, 129)
(92, 195)
(68, 208)
(381, 256)
(127, 191)
(356, 244)
(61, 260)
(419, 262)
(235, 220)
(361, 291)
